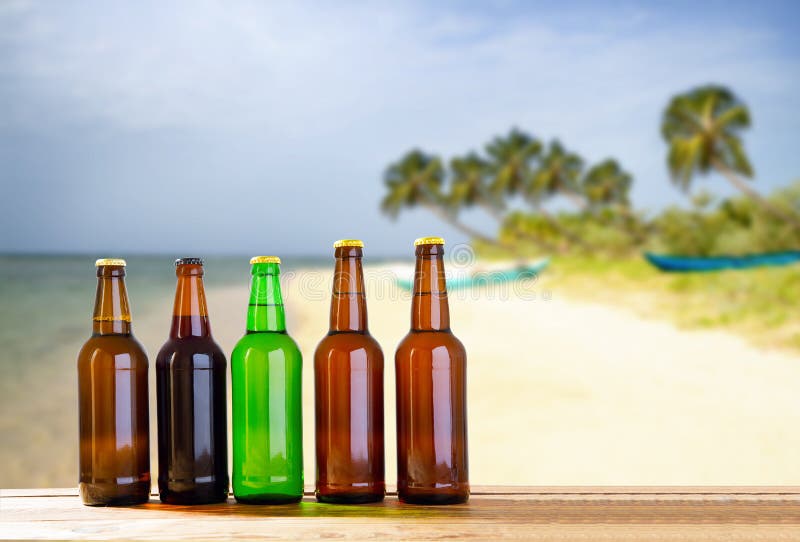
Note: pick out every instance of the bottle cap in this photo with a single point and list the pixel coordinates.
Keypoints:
(429, 241)
(348, 243)
(264, 259)
(188, 261)
(109, 261)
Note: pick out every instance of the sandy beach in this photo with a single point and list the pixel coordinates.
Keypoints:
(560, 391)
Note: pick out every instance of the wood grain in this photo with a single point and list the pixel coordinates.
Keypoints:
(496, 513)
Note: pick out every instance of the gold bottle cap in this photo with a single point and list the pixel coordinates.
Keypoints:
(264, 259)
(110, 261)
(429, 241)
(188, 261)
(349, 243)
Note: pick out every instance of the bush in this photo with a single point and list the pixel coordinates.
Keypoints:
(735, 226)
(710, 227)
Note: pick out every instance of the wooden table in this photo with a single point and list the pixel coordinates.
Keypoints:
(493, 513)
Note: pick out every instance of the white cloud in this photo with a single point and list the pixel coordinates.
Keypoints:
(344, 82)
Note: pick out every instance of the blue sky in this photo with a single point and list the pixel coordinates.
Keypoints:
(251, 127)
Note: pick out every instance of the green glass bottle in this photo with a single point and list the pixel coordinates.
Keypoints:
(266, 368)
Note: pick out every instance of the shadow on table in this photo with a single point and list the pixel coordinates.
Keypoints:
(509, 509)
(310, 508)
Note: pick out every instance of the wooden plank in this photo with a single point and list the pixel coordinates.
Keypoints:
(511, 490)
(553, 513)
(39, 492)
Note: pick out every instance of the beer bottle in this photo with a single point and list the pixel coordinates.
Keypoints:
(348, 378)
(266, 367)
(113, 403)
(190, 382)
(431, 378)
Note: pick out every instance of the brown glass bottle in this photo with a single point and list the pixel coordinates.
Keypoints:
(113, 403)
(191, 391)
(348, 379)
(431, 378)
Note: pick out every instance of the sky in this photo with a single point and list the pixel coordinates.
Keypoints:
(254, 127)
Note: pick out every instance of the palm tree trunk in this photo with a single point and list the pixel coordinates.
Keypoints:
(576, 199)
(492, 211)
(450, 219)
(558, 227)
(519, 234)
(475, 234)
(500, 218)
(747, 190)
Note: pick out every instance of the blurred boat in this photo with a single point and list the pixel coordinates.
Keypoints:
(683, 264)
(477, 276)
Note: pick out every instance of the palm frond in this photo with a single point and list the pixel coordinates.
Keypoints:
(702, 129)
(684, 159)
(735, 118)
(735, 156)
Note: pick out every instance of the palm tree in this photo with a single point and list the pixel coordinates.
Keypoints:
(510, 167)
(510, 162)
(606, 185)
(558, 173)
(469, 185)
(702, 128)
(416, 180)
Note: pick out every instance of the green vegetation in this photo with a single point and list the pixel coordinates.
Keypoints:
(518, 177)
(597, 238)
(512, 183)
(729, 226)
(759, 304)
(702, 130)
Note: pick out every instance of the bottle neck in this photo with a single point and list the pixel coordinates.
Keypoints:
(112, 314)
(189, 314)
(348, 301)
(429, 308)
(265, 312)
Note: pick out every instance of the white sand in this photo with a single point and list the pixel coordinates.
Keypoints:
(563, 392)
(560, 391)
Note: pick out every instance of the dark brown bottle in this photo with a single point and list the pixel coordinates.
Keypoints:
(431, 378)
(113, 403)
(348, 379)
(192, 417)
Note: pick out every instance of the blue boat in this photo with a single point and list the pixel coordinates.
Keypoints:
(684, 264)
(486, 277)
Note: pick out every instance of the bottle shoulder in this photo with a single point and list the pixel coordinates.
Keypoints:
(348, 342)
(430, 340)
(110, 347)
(190, 348)
(266, 342)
